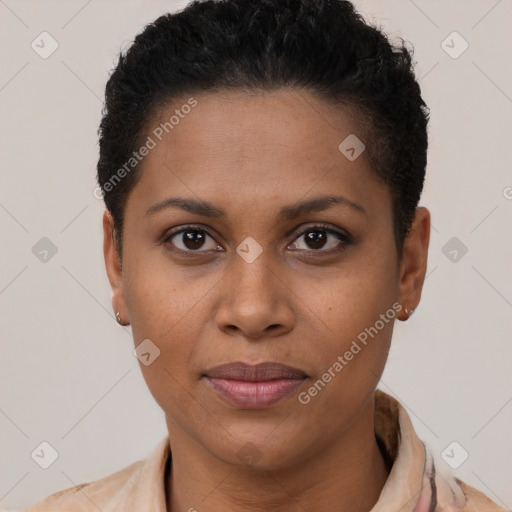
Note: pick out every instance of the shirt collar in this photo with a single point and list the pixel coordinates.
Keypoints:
(405, 482)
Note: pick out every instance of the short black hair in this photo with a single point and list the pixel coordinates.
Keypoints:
(323, 47)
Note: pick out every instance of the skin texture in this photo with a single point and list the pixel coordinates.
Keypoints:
(299, 303)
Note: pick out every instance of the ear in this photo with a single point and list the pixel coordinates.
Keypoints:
(413, 266)
(113, 265)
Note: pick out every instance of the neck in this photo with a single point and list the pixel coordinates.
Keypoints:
(346, 476)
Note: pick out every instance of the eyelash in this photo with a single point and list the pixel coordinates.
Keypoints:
(344, 238)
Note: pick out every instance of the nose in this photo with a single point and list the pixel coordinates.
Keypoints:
(256, 302)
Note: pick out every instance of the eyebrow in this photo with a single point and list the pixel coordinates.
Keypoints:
(200, 207)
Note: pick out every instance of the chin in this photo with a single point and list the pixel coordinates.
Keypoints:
(259, 454)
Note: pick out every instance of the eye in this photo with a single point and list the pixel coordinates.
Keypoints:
(191, 239)
(321, 238)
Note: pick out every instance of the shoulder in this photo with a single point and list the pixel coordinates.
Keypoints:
(477, 501)
(452, 494)
(91, 496)
(132, 488)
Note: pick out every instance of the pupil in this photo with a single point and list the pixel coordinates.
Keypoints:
(316, 239)
(193, 239)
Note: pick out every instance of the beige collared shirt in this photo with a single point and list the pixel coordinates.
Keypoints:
(413, 485)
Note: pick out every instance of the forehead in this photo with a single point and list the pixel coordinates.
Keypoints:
(260, 145)
(237, 125)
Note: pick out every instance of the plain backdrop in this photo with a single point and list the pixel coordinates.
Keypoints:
(68, 375)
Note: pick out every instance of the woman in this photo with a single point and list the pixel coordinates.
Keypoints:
(261, 164)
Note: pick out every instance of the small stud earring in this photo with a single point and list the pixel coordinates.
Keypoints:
(409, 312)
(119, 321)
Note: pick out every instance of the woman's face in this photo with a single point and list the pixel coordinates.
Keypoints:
(252, 280)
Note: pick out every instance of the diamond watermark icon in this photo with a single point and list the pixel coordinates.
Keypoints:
(249, 454)
(44, 250)
(249, 249)
(44, 45)
(146, 352)
(351, 147)
(454, 455)
(454, 45)
(44, 455)
(454, 249)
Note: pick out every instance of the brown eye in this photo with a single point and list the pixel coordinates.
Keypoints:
(321, 239)
(316, 239)
(191, 239)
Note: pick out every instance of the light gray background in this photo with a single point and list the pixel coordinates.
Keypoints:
(68, 374)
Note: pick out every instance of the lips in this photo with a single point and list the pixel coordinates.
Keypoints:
(254, 386)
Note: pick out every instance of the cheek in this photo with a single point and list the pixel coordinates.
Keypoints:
(171, 323)
(164, 308)
(350, 359)
(353, 298)
(161, 296)
(353, 315)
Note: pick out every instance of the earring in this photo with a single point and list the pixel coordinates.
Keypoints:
(119, 321)
(409, 312)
